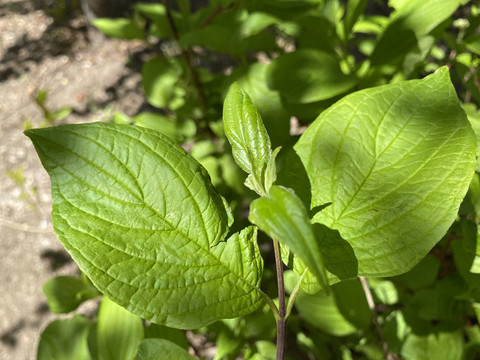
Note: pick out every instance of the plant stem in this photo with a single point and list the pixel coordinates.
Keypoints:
(187, 56)
(371, 304)
(294, 293)
(212, 17)
(281, 322)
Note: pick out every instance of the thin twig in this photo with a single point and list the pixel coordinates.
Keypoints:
(187, 56)
(24, 227)
(371, 304)
(281, 323)
(213, 15)
(294, 293)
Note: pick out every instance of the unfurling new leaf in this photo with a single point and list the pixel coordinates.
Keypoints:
(248, 137)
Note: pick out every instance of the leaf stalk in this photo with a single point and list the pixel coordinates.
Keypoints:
(281, 322)
(294, 293)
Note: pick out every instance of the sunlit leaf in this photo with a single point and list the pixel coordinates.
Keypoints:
(119, 332)
(395, 163)
(143, 222)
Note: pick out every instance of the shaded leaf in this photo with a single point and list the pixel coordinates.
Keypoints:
(308, 75)
(160, 81)
(66, 293)
(174, 335)
(65, 339)
(354, 9)
(439, 346)
(321, 312)
(154, 349)
(253, 81)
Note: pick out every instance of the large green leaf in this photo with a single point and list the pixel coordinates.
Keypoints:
(141, 219)
(154, 349)
(283, 217)
(119, 332)
(395, 163)
(65, 339)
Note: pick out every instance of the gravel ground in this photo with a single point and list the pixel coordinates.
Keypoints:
(80, 71)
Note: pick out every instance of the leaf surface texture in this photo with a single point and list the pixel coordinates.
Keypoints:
(142, 220)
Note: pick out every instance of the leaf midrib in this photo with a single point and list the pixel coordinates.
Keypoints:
(138, 288)
(337, 217)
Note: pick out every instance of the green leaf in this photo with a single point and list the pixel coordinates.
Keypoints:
(317, 32)
(423, 274)
(438, 346)
(384, 290)
(283, 217)
(261, 350)
(352, 303)
(61, 114)
(174, 335)
(158, 122)
(338, 256)
(466, 258)
(395, 330)
(354, 9)
(154, 349)
(66, 293)
(118, 28)
(473, 116)
(395, 163)
(143, 222)
(257, 22)
(158, 15)
(441, 303)
(119, 332)
(65, 339)
(308, 75)
(228, 345)
(160, 81)
(321, 311)
(246, 133)
(231, 32)
(271, 170)
(413, 20)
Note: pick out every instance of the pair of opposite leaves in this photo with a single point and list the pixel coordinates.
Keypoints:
(143, 222)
